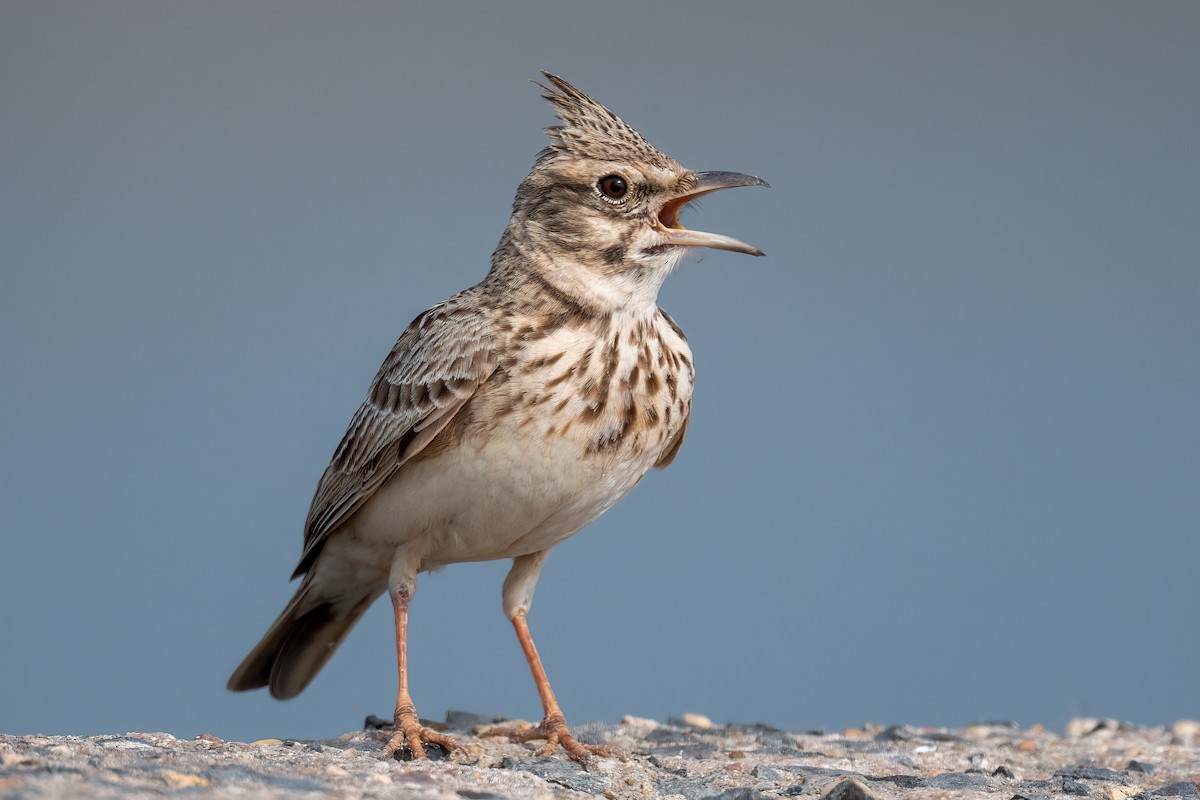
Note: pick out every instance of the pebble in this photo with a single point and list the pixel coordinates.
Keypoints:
(984, 761)
(1186, 730)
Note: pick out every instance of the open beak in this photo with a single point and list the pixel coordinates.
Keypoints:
(676, 234)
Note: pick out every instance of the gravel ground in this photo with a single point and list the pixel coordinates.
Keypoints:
(689, 757)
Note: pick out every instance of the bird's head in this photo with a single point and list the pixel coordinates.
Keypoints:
(602, 197)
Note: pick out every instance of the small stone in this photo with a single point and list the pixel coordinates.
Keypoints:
(334, 771)
(697, 720)
(1080, 727)
(1181, 789)
(183, 780)
(900, 781)
(1186, 730)
(208, 737)
(738, 794)
(1139, 766)
(957, 781)
(1028, 745)
(1003, 772)
(467, 721)
(557, 770)
(690, 788)
(1075, 788)
(766, 773)
(1119, 792)
(848, 789)
(640, 722)
(1087, 773)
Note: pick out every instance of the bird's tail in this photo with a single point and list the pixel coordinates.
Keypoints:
(300, 642)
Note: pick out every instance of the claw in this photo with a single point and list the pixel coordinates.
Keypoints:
(411, 737)
(554, 731)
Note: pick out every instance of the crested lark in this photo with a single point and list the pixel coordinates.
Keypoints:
(510, 416)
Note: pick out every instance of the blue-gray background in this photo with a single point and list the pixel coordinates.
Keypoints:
(944, 462)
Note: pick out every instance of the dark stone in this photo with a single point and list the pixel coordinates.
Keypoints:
(1003, 772)
(957, 781)
(690, 788)
(896, 733)
(1031, 796)
(472, 794)
(1083, 772)
(466, 721)
(1139, 766)
(901, 781)
(558, 770)
(1074, 787)
(820, 772)
(766, 773)
(433, 751)
(738, 794)
(848, 789)
(1181, 789)
(665, 734)
(374, 723)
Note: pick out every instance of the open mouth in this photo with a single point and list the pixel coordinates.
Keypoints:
(668, 216)
(674, 234)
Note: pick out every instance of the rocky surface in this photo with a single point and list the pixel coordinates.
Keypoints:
(687, 758)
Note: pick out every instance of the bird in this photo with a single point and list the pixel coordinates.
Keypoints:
(510, 416)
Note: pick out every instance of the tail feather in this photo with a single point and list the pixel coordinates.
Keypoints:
(299, 643)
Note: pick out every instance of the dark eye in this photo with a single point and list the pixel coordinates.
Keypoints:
(613, 187)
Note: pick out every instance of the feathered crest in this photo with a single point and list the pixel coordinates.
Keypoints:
(590, 130)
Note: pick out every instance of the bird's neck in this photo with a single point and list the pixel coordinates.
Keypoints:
(579, 280)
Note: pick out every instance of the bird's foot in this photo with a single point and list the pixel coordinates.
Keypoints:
(410, 738)
(553, 730)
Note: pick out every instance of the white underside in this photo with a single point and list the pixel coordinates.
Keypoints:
(515, 492)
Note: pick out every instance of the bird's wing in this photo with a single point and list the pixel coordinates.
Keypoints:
(672, 450)
(431, 373)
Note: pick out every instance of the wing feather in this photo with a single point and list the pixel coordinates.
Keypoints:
(429, 376)
(673, 449)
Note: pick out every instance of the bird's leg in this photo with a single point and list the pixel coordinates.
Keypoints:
(410, 733)
(553, 728)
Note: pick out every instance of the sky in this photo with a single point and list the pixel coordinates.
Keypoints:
(944, 457)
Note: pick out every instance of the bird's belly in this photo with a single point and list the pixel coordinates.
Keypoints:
(501, 498)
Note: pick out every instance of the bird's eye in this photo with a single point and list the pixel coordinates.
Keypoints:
(613, 187)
